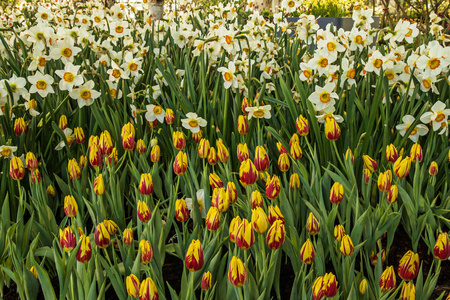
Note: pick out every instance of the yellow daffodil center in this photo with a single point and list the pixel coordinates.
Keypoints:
(6, 152)
(66, 52)
(41, 85)
(325, 97)
(331, 46)
(193, 123)
(377, 63)
(113, 92)
(68, 77)
(358, 39)
(41, 62)
(44, 16)
(119, 29)
(440, 116)
(426, 83)
(97, 19)
(323, 62)
(259, 113)
(228, 39)
(434, 63)
(132, 66)
(157, 110)
(116, 73)
(351, 73)
(85, 94)
(228, 76)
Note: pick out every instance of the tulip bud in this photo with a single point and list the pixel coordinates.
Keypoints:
(275, 214)
(348, 154)
(113, 157)
(261, 159)
(140, 146)
(222, 151)
(148, 290)
(346, 245)
(34, 272)
(62, 124)
(146, 184)
(336, 193)
(296, 151)
(409, 266)
(194, 256)
(302, 125)
(408, 292)
(416, 153)
(294, 139)
(220, 199)
(370, 164)
(213, 218)
(339, 232)
(99, 185)
(84, 253)
(105, 143)
(179, 141)
(196, 137)
(283, 162)
(212, 156)
(133, 286)
(32, 163)
(312, 224)
(237, 274)
(83, 161)
(441, 249)
(93, 139)
(329, 285)
(170, 116)
(374, 257)
(51, 191)
(332, 129)
(128, 141)
(215, 181)
(143, 212)
(234, 225)
(391, 153)
(181, 210)
(16, 168)
(294, 182)
(433, 168)
(281, 148)
(128, 236)
(206, 283)
(256, 199)
(384, 181)
(102, 237)
(35, 176)
(363, 287)
(245, 237)
(402, 167)
(259, 220)
(67, 239)
(242, 152)
(392, 194)
(146, 251)
(180, 163)
(247, 173)
(70, 206)
(155, 154)
(203, 148)
(388, 280)
(111, 226)
(273, 187)
(74, 169)
(244, 105)
(95, 156)
(276, 235)
(79, 135)
(232, 192)
(367, 175)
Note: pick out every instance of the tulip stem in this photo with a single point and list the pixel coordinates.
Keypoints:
(337, 154)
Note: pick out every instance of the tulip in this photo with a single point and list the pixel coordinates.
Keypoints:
(148, 290)
(180, 163)
(127, 128)
(318, 289)
(111, 226)
(179, 141)
(70, 206)
(95, 156)
(332, 129)
(16, 168)
(84, 253)
(212, 156)
(392, 194)
(133, 286)
(206, 283)
(203, 148)
(105, 143)
(363, 286)
(51, 191)
(62, 123)
(194, 256)
(93, 140)
(32, 163)
(312, 224)
(146, 184)
(275, 214)
(128, 141)
(242, 152)
(74, 169)
(234, 225)
(276, 235)
(402, 167)
(370, 164)
(408, 292)
(79, 135)
(34, 272)
(348, 154)
(248, 173)
(433, 168)
(143, 212)
(374, 257)
(336, 193)
(146, 251)
(261, 159)
(346, 245)
(259, 220)
(283, 162)
(83, 162)
(339, 232)
(102, 237)
(367, 175)
(67, 239)
(329, 285)
(441, 249)
(388, 280)
(294, 139)
(99, 185)
(215, 181)
(20, 126)
(281, 148)
(222, 151)
(35, 176)
(296, 151)
(384, 181)
(232, 192)
(294, 182)
(273, 187)
(307, 252)
(245, 237)
(181, 210)
(302, 125)
(213, 218)
(220, 199)
(244, 105)
(112, 157)
(409, 266)
(256, 199)
(416, 153)
(140, 146)
(170, 116)
(128, 236)
(391, 153)
(237, 274)
(196, 137)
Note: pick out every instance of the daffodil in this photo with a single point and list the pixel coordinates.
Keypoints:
(419, 130)
(259, 112)
(193, 122)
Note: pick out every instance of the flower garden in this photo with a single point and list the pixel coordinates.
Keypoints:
(218, 154)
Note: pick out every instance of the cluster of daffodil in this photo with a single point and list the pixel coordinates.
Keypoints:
(199, 137)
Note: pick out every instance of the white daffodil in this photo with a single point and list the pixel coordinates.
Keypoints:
(66, 50)
(327, 112)
(132, 65)
(40, 83)
(115, 73)
(419, 130)
(85, 94)
(155, 112)
(69, 77)
(323, 96)
(17, 85)
(229, 78)
(437, 116)
(31, 105)
(69, 136)
(259, 112)
(201, 203)
(7, 151)
(193, 122)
